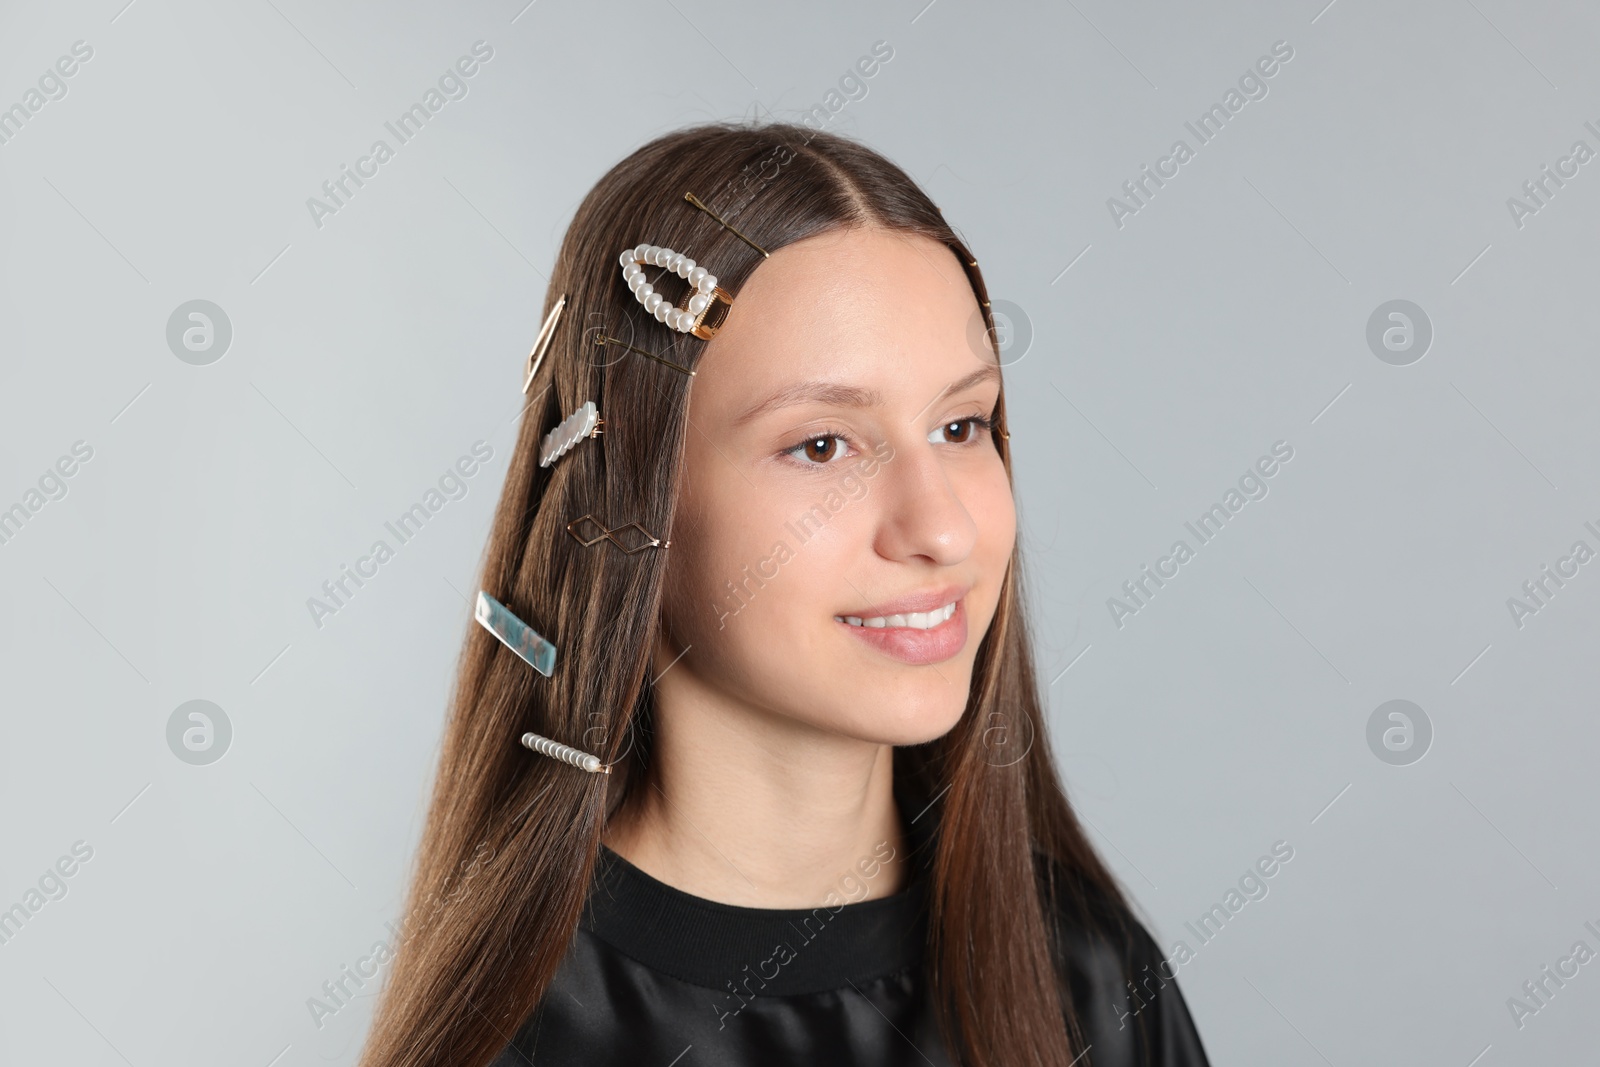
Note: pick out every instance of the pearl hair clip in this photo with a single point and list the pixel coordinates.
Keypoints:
(585, 422)
(704, 306)
(703, 298)
(565, 753)
(520, 638)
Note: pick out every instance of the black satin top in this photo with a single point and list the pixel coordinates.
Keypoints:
(659, 978)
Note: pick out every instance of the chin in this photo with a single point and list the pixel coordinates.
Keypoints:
(911, 726)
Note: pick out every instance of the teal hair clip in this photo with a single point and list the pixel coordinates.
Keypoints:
(515, 634)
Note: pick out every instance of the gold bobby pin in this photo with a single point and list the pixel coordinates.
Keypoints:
(974, 263)
(542, 345)
(602, 339)
(695, 200)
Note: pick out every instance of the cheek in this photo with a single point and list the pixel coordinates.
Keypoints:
(990, 501)
(733, 585)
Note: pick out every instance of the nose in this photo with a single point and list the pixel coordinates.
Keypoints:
(922, 516)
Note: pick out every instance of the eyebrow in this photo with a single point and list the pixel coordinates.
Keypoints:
(852, 396)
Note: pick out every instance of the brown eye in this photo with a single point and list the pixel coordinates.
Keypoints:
(973, 424)
(821, 449)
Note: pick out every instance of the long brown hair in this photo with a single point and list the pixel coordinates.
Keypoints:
(1008, 849)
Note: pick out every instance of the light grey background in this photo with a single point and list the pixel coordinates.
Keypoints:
(1229, 313)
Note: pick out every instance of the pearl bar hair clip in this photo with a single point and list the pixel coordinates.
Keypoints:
(565, 753)
(521, 638)
(585, 422)
(704, 298)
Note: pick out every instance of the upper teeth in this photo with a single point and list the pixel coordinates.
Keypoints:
(917, 620)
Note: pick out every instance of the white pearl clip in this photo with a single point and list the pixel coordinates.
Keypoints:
(585, 422)
(703, 296)
(565, 753)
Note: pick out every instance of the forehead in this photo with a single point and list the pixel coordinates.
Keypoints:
(865, 305)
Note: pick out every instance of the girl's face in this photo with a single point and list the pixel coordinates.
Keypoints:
(839, 467)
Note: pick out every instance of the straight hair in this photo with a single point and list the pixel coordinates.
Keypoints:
(482, 939)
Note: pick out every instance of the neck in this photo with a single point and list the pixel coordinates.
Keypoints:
(758, 811)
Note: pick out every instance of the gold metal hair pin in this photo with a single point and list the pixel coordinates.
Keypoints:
(602, 339)
(695, 200)
(650, 541)
(542, 345)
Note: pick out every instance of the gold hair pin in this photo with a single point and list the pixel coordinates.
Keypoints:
(585, 422)
(542, 345)
(695, 200)
(650, 541)
(602, 339)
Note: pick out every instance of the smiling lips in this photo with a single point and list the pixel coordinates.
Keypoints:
(917, 637)
(916, 620)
